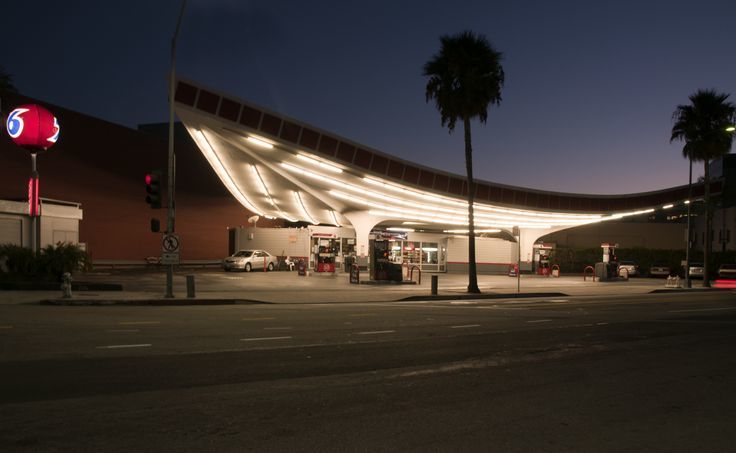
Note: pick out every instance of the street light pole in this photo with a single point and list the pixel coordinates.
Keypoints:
(688, 283)
(171, 175)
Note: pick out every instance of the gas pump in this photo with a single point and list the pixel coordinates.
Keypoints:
(609, 266)
(542, 253)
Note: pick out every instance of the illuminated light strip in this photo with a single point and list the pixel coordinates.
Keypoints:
(334, 218)
(299, 201)
(402, 213)
(401, 230)
(319, 163)
(409, 203)
(407, 191)
(468, 231)
(545, 220)
(265, 191)
(668, 206)
(225, 177)
(259, 142)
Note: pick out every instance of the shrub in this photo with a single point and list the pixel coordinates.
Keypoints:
(50, 263)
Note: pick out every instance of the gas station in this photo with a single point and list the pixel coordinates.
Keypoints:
(382, 209)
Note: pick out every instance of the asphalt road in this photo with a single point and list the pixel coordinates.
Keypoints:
(639, 373)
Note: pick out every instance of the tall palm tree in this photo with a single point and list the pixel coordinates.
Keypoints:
(465, 77)
(702, 126)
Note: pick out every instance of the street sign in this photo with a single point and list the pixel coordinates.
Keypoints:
(169, 258)
(170, 244)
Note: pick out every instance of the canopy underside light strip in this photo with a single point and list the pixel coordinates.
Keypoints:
(223, 174)
(264, 190)
(300, 203)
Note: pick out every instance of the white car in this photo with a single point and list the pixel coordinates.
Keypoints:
(247, 260)
(696, 270)
(628, 268)
(659, 270)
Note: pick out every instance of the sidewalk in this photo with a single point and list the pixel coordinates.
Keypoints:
(288, 288)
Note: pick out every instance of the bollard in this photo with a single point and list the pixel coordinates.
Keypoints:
(66, 285)
(190, 286)
(435, 278)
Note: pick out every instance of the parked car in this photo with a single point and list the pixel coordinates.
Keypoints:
(630, 267)
(696, 270)
(248, 260)
(659, 270)
(727, 271)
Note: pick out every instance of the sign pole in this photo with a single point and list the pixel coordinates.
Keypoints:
(32, 204)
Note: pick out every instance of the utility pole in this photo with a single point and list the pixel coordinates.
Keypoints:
(171, 175)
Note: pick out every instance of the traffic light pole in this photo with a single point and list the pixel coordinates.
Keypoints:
(171, 176)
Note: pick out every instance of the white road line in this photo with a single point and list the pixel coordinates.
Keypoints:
(376, 332)
(138, 323)
(702, 309)
(121, 346)
(265, 338)
(601, 324)
(539, 320)
(256, 319)
(277, 328)
(6, 327)
(464, 302)
(123, 330)
(559, 300)
(466, 326)
(360, 315)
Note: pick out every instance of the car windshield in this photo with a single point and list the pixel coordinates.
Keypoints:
(696, 264)
(729, 266)
(627, 263)
(245, 253)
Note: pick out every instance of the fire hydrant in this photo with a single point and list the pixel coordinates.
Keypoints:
(66, 285)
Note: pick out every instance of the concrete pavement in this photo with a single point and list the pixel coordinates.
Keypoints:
(290, 288)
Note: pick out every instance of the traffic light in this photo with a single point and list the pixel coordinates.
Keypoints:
(155, 225)
(153, 189)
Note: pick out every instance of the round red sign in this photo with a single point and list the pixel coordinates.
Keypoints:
(32, 126)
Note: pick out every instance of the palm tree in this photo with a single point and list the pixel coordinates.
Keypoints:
(465, 76)
(702, 126)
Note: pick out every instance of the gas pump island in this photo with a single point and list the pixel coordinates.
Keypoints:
(608, 268)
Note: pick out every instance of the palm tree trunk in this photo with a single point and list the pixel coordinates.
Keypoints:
(472, 268)
(707, 247)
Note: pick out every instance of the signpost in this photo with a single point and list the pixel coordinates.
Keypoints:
(36, 129)
(170, 249)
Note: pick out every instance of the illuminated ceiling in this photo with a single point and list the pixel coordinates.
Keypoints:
(271, 170)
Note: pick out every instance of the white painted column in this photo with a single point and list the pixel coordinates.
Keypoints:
(363, 223)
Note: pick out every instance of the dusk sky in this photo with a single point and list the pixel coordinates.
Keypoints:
(587, 105)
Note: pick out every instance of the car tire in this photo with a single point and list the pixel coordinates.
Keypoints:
(270, 267)
(247, 267)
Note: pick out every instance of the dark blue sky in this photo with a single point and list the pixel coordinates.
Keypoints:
(590, 85)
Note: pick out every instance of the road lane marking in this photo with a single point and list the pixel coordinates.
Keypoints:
(559, 300)
(256, 319)
(464, 302)
(123, 330)
(702, 309)
(121, 346)
(601, 324)
(539, 320)
(277, 328)
(360, 315)
(376, 332)
(138, 323)
(266, 338)
(466, 326)
(6, 327)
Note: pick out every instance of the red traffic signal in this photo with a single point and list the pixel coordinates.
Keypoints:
(153, 189)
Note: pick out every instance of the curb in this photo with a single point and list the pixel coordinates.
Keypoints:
(149, 302)
(482, 296)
